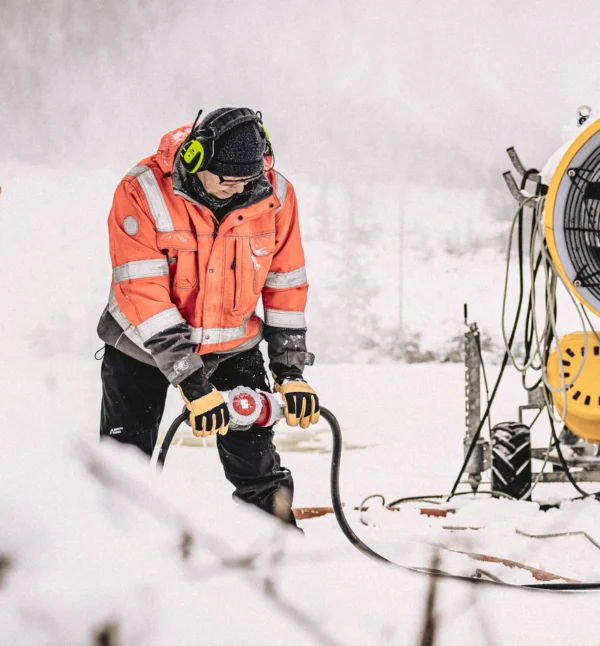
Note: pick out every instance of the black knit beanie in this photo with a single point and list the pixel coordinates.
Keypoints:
(239, 152)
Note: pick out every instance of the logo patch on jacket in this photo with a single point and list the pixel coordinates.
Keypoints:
(180, 366)
(130, 225)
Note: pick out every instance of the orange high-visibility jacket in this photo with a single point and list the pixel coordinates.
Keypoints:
(184, 285)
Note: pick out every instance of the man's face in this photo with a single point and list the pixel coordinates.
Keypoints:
(222, 187)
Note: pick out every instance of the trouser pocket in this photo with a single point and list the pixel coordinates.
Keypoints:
(133, 400)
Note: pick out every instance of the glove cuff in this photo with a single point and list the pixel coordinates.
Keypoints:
(195, 386)
(289, 373)
(294, 386)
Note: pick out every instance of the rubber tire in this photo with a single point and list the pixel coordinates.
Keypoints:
(511, 459)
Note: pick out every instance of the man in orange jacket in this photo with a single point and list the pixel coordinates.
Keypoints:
(199, 232)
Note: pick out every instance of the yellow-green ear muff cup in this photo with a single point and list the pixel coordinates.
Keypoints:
(189, 154)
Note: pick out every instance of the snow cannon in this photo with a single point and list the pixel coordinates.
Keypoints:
(577, 387)
(572, 217)
(572, 232)
(555, 230)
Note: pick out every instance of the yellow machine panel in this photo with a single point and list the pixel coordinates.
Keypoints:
(583, 394)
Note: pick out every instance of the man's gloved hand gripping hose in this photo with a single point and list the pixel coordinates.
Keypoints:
(208, 411)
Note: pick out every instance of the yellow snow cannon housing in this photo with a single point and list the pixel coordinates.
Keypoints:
(582, 395)
(572, 217)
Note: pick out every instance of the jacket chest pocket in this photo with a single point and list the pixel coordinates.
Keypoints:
(261, 255)
(252, 259)
(181, 250)
(183, 269)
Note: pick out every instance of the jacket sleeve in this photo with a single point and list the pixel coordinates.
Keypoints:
(285, 292)
(140, 292)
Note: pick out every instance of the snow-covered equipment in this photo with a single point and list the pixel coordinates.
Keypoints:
(560, 235)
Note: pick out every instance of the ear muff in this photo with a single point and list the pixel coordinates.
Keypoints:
(268, 148)
(192, 155)
(269, 154)
(192, 152)
(264, 131)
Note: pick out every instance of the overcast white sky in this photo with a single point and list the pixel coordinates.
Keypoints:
(427, 89)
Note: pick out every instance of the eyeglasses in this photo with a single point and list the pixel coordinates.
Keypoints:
(236, 182)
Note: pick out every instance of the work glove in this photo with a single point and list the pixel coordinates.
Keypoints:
(208, 411)
(301, 401)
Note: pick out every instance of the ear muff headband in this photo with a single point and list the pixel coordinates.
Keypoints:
(197, 150)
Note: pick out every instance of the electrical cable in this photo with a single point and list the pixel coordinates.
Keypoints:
(563, 462)
(373, 495)
(365, 549)
(560, 535)
(433, 498)
(334, 426)
(459, 528)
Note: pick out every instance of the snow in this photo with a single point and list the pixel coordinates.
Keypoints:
(394, 137)
(94, 535)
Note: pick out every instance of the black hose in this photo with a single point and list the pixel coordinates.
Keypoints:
(335, 476)
(563, 462)
(338, 509)
(162, 454)
(365, 549)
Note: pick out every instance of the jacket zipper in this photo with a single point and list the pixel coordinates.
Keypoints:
(235, 285)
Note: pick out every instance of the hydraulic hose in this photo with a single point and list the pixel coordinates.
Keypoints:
(162, 454)
(338, 509)
(336, 431)
(363, 547)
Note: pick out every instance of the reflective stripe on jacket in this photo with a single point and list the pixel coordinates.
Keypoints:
(175, 268)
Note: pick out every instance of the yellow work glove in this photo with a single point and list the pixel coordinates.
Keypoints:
(301, 403)
(208, 411)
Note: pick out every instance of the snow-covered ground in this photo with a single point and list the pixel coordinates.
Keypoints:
(92, 534)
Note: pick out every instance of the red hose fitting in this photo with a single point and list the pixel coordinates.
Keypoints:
(265, 412)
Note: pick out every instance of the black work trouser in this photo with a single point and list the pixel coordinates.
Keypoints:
(133, 403)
